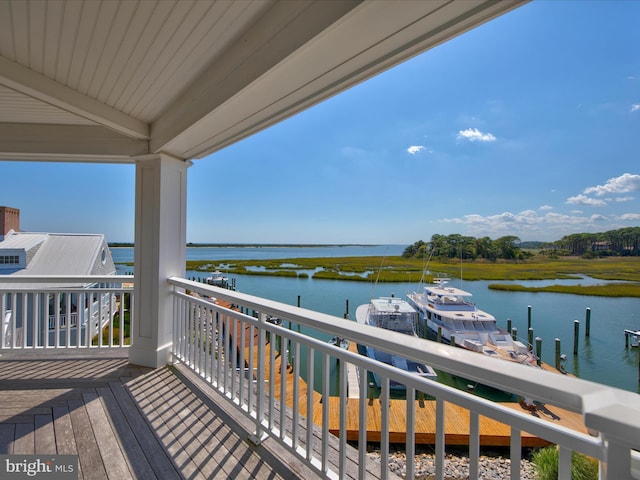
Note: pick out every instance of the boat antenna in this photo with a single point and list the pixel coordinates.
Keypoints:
(426, 265)
(373, 287)
(461, 264)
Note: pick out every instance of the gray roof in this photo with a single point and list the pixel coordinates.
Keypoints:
(61, 254)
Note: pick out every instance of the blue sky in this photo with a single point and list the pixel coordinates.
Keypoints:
(528, 125)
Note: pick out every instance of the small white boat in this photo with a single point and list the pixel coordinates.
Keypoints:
(217, 278)
(448, 310)
(339, 342)
(633, 337)
(394, 314)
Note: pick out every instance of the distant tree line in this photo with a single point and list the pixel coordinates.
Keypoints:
(467, 248)
(621, 242)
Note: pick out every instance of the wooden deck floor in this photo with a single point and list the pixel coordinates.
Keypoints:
(128, 422)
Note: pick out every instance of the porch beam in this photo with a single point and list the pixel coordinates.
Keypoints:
(28, 82)
(49, 142)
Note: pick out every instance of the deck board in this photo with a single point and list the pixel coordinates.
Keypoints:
(7, 434)
(88, 452)
(44, 438)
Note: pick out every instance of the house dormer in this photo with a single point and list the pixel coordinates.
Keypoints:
(18, 249)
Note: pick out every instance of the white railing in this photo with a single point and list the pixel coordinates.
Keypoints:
(65, 312)
(208, 338)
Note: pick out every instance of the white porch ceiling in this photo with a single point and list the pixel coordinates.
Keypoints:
(107, 80)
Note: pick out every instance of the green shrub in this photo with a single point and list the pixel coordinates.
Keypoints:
(546, 461)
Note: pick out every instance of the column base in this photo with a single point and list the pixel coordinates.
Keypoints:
(150, 357)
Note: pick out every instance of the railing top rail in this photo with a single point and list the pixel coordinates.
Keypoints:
(6, 280)
(598, 403)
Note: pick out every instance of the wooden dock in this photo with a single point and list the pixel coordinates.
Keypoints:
(492, 433)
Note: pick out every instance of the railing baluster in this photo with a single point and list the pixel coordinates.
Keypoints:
(310, 394)
(410, 426)
(474, 444)
(342, 378)
(4, 333)
(37, 331)
(384, 427)
(272, 380)
(260, 397)
(67, 309)
(123, 296)
(219, 342)
(234, 358)
(14, 306)
(200, 338)
(326, 366)
(362, 423)
(206, 329)
(296, 394)
(283, 394)
(110, 314)
(440, 439)
(250, 367)
(25, 321)
(564, 463)
(516, 452)
(56, 317)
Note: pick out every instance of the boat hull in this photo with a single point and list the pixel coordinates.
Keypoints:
(419, 369)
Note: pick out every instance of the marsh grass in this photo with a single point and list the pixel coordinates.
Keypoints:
(546, 461)
(399, 269)
(608, 290)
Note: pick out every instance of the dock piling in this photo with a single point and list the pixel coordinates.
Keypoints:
(528, 316)
(530, 339)
(587, 330)
(539, 350)
(558, 354)
(576, 330)
(514, 333)
(508, 324)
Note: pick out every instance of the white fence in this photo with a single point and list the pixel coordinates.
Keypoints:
(47, 312)
(209, 339)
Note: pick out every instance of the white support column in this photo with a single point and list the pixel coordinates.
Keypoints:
(160, 252)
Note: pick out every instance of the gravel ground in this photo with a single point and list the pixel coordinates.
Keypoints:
(492, 467)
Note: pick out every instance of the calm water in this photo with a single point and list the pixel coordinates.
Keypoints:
(602, 357)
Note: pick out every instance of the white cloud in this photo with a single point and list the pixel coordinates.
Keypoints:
(584, 200)
(528, 225)
(630, 216)
(622, 184)
(414, 149)
(628, 198)
(635, 107)
(546, 208)
(475, 135)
